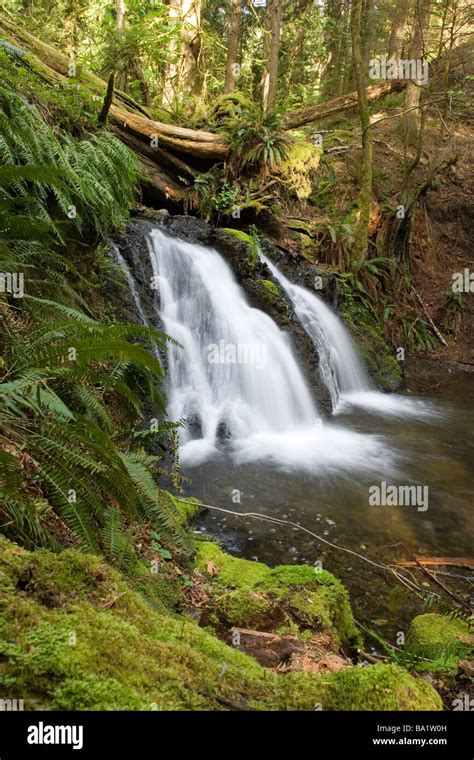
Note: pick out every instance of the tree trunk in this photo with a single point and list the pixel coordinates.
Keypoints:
(332, 84)
(120, 76)
(120, 10)
(421, 22)
(104, 112)
(140, 77)
(361, 240)
(182, 71)
(271, 54)
(397, 32)
(367, 23)
(232, 46)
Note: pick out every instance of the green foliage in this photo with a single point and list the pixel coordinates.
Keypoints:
(212, 194)
(256, 141)
(55, 410)
(62, 184)
(71, 386)
(417, 335)
(257, 149)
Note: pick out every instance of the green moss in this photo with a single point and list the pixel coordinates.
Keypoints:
(374, 688)
(105, 648)
(313, 599)
(158, 586)
(250, 241)
(297, 169)
(318, 598)
(233, 572)
(92, 693)
(368, 333)
(271, 286)
(228, 109)
(441, 641)
(186, 511)
(242, 608)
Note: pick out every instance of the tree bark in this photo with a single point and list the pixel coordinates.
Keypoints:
(232, 45)
(421, 22)
(271, 53)
(367, 30)
(397, 32)
(361, 240)
(102, 119)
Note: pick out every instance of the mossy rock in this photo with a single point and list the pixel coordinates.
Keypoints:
(289, 598)
(250, 242)
(373, 688)
(233, 572)
(439, 643)
(271, 287)
(100, 646)
(368, 334)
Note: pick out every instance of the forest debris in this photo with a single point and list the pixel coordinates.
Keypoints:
(212, 568)
(440, 562)
(436, 580)
(309, 663)
(432, 324)
(288, 653)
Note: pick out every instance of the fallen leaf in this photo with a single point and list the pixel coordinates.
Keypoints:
(212, 568)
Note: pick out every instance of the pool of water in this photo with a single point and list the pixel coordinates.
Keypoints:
(424, 438)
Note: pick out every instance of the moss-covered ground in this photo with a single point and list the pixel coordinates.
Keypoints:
(74, 635)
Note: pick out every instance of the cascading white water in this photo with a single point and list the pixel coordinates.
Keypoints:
(340, 367)
(234, 372)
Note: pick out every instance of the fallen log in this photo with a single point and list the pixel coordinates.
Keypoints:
(307, 115)
(159, 183)
(190, 142)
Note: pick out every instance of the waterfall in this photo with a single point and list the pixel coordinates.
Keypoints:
(232, 376)
(340, 367)
(339, 364)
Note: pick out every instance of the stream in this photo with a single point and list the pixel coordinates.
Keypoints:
(254, 439)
